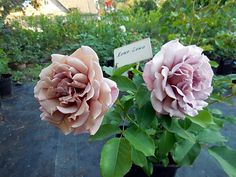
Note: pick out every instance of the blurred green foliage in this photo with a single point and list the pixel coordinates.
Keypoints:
(209, 24)
(3, 63)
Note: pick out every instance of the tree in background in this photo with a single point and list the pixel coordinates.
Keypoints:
(8, 6)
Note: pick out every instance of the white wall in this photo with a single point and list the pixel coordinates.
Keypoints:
(52, 7)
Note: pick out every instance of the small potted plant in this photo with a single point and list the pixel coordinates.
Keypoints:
(5, 76)
(160, 121)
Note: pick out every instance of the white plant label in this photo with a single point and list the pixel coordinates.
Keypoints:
(133, 53)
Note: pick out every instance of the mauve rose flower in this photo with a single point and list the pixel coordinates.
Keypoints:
(73, 93)
(179, 78)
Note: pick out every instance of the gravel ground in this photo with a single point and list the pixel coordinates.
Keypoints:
(30, 147)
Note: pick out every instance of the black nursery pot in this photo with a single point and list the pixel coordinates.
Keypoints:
(225, 67)
(158, 171)
(5, 85)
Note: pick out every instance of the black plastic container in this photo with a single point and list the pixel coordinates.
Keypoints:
(5, 85)
(158, 171)
(225, 67)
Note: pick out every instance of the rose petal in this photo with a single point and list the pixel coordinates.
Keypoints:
(58, 68)
(159, 91)
(171, 109)
(83, 108)
(77, 64)
(86, 90)
(151, 68)
(98, 71)
(67, 110)
(80, 130)
(85, 54)
(50, 105)
(81, 120)
(105, 96)
(80, 77)
(58, 58)
(90, 94)
(51, 82)
(65, 128)
(46, 72)
(156, 104)
(114, 89)
(170, 50)
(170, 92)
(95, 109)
(147, 76)
(78, 85)
(45, 94)
(93, 125)
(164, 73)
(96, 87)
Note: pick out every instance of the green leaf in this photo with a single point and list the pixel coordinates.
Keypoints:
(112, 117)
(203, 119)
(140, 140)
(219, 43)
(166, 142)
(105, 131)
(211, 136)
(219, 123)
(138, 80)
(148, 169)
(115, 158)
(234, 89)
(172, 125)
(214, 64)
(126, 98)
(185, 123)
(232, 76)
(124, 84)
(142, 96)
(127, 104)
(226, 158)
(121, 70)
(207, 47)
(216, 112)
(151, 131)
(195, 128)
(217, 97)
(146, 115)
(230, 119)
(165, 161)
(171, 36)
(186, 152)
(137, 72)
(108, 70)
(138, 158)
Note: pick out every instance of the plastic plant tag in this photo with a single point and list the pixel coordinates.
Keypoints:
(132, 53)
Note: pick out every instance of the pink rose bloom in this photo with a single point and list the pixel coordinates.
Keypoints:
(179, 78)
(73, 93)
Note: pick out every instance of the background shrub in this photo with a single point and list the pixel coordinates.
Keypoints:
(209, 24)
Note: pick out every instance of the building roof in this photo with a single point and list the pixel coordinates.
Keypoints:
(84, 6)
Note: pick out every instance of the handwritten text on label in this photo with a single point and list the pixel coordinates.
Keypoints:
(132, 53)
